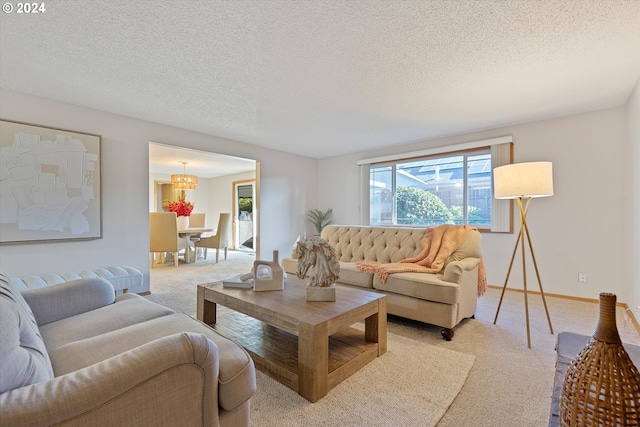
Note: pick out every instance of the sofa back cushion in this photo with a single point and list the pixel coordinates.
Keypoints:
(388, 244)
(366, 243)
(23, 356)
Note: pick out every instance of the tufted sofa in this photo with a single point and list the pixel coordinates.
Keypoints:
(75, 354)
(441, 299)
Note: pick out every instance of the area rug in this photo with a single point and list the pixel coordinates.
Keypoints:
(413, 384)
(176, 288)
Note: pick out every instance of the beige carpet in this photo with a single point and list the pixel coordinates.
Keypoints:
(413, 384)
(509, 384)
(176, 287)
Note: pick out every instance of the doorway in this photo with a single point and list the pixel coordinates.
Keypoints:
(215, 192)
(244, 215)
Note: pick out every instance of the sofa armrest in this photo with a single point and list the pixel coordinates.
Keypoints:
(454, 270)
(68, 299)
(169, 381)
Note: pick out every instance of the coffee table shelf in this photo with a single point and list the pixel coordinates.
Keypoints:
(308, 346)
(275, 352)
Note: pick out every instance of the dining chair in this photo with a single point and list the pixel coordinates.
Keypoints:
(220, 240)
(197, 220)
(163, 236)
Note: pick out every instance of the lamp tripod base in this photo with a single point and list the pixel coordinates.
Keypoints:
(524, 231)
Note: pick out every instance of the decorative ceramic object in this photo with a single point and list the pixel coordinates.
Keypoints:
(317, 255)
(602, 385)
(268, 275)
(183, 222)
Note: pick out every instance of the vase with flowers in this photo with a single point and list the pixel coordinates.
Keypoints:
(183, 209)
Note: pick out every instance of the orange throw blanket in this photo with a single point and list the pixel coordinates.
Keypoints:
(438, 244)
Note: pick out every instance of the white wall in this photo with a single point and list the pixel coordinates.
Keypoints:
(288, 188)
(221, 193)
(223, 197)
(580, 228)
(632, 208)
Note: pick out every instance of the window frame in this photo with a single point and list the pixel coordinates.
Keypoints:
(464, 154)
(501, 152)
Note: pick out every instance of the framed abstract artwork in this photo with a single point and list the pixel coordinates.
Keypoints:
(50, 181)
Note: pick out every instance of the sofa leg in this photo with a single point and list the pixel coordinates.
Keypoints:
(447, 334)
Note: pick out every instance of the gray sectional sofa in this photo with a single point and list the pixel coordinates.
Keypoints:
(443, 299)
(75, 354)
(122, 278)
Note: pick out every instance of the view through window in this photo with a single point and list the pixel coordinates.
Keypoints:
(448, 189)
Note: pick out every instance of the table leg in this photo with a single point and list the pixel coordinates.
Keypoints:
(205, 310)
(375, 327)
(190, 250)
(193, 255)
(313, 361)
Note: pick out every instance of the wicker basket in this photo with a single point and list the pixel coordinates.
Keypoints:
(602, 386)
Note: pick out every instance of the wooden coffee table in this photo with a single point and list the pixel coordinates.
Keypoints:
(307, 346)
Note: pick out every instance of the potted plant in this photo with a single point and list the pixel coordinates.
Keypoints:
(319, 219)
(183, 209)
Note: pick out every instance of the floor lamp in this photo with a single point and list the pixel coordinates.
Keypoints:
(524, 181)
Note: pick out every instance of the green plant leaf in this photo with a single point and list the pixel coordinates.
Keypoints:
(319, 219)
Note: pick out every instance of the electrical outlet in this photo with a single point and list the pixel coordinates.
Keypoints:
(582, 277)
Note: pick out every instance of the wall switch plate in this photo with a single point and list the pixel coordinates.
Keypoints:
(582, 277)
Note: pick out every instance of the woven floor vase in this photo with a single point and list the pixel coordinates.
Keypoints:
(602, 385)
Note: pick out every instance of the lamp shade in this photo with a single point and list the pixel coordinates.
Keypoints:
(183, 181)
(533, 179)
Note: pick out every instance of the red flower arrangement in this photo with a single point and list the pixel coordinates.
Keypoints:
(181, 207)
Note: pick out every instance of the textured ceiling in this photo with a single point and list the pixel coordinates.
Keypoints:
(327, 77)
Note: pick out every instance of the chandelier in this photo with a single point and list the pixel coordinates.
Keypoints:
(183, 181)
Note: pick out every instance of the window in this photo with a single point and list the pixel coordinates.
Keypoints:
(452, 185)
(452, 189)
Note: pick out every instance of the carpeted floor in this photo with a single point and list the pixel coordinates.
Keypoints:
(412, 384)
(508, 384)
(176, 287)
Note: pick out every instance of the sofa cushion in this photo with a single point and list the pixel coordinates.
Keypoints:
(128, 309)
(351, 275)
(236, 377)
(67, 299)
(23, 356)
(384, 245)
(424, 286)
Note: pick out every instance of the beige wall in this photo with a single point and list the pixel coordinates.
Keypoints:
(590, 225)
(580, 229)
(632, 197)
(288, 188)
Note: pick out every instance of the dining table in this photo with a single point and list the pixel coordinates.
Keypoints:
(188, 233)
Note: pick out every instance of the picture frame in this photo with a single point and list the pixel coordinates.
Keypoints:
(50, 184)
